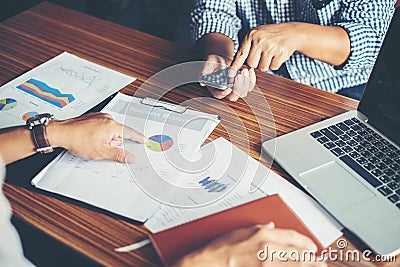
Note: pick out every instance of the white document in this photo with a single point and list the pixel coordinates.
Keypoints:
(110, 185)
(66, 86)
(103, 184)
(321, 224)
(171, 134)
(219, 172)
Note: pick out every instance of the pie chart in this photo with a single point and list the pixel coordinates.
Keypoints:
(29, 114)
(7, 104)
(159, 142)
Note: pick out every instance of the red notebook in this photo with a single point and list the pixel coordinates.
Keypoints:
(174, 243)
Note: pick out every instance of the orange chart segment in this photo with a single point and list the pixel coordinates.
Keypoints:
(158, 143)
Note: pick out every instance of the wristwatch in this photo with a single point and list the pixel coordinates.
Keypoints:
(37, 125)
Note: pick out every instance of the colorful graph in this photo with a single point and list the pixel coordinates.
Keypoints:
(7, 104)
(29, 114)
(212, 185)
(159, 142)
(46, 93)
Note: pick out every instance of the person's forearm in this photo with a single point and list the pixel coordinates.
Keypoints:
(16, 143)
(330, 44)
(94, 136)
(216, 44)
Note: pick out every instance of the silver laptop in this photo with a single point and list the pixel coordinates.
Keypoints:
(351, 163)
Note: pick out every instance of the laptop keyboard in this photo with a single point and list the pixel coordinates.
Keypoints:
(367, 153)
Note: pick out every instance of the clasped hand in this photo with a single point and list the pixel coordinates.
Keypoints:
(265, 47)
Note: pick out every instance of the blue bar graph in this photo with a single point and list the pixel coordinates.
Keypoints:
(212, 185)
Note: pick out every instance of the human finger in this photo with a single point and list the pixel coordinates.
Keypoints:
(235, 94)
(242, 85)
(115, 142)
(252, 79)
(279, 59)
(118, 155)
(240, 57)
(247, 84)
(254, 58)
(208, 67)
(287, 237)
(219, 94)
(129, 133)
(276, 62)
(265, 61)
(212, 64)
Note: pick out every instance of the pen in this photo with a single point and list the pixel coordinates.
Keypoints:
(133, 246)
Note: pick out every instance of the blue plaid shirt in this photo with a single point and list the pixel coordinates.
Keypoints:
(366, 22)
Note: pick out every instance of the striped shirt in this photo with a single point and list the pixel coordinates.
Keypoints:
(366, 22)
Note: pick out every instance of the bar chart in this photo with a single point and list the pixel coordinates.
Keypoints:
(212, 185)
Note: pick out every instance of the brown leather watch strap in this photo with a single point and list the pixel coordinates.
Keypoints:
(40, 139)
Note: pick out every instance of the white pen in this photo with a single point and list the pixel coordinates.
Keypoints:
(133, 246)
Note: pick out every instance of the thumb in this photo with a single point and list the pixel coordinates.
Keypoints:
(118, 155)
(208, 67)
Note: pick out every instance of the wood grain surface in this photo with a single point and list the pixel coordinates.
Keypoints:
(46, 30)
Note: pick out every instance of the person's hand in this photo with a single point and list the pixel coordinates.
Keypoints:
(93, 136)
(241, 247)
(243, 82)
(214, 63)
(267, 47)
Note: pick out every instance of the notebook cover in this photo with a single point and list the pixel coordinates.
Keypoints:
(174, 243)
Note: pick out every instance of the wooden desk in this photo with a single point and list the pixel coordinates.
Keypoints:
(46, 30)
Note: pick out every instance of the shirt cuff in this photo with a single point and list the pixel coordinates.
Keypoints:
(364, 46)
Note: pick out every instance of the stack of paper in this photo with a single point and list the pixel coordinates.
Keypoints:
(244, 169)
(118, 187)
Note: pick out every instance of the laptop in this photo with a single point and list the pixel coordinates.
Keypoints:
(350, 163)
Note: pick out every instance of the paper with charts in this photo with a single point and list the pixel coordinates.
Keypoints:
(229, 179)
(66, 86)
(110, 185)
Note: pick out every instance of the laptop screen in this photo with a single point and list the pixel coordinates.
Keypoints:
(381, 99)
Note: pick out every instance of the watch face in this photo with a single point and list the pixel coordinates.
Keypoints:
(40, 119)
(44, 120)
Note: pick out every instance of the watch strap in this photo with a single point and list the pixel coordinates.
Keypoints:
(40, 139)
